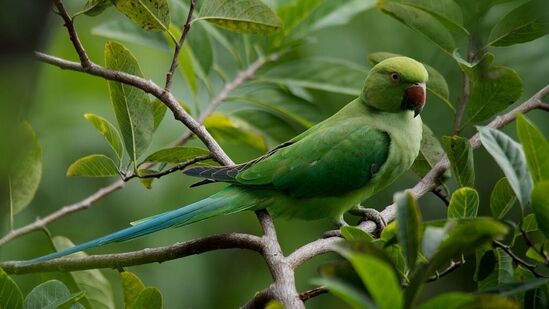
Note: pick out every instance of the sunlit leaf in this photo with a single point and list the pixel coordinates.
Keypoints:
(52, 294)
(436, 84)
(132, 106)
(109, 132)
(96, 165)
(232, 130)
(460, 154)
(408, 220)
(132, 286)
(247, 16)
(10, 294)
(151, 15)
(529, 223)
(523, 24)
(464, 203)
(325, 74)
(420, 21)
(540, 205)
(175, 154)
(536, 148)
(510, 157)
(26, 171)
(502, 198)
(97, 287)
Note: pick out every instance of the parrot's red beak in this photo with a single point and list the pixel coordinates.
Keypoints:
(414, 98)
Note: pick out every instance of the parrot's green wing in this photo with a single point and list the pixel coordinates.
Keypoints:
(329, 161)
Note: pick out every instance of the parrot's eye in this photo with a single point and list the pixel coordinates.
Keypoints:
(395, 77)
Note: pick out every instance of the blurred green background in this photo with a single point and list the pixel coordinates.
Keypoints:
(227, 278)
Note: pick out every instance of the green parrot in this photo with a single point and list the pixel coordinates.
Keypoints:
(323, 172)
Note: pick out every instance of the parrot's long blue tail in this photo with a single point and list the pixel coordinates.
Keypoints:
(227, 201)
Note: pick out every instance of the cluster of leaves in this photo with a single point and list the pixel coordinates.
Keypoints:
(93, 290)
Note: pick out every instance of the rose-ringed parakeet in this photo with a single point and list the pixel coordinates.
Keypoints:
(323, 172)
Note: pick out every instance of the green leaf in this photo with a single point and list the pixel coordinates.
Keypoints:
(529, 223)
(246, 16)
(132, 287)
(295, 12)
(464, 236)
(355, 234)
(97, 287)
(95, 7)
(540, 206)
(346, 292)
(536, 148)
(523, 24)
(502, 198)
(151, 15)
(324, 74)
(10, 294)
(494, 88)
(109, 132)
(342, 14)
(502, 269)
(380, 280)
(175, 154)
(460, 154)
(202, 47)
(52, 294)
(26, 172)
(464, 203)
(430, 153)
(149, 298)
(276, 128)
(446, 11)
(132, 107)
(421, 21)
(510, 157)
(232, 130)
(436, 84)
(453, 300)
(408, 220)
(96, 165)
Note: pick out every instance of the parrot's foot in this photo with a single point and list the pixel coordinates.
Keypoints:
(372, 215)
(339, 223)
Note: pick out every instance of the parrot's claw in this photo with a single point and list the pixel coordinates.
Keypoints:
(372, 215)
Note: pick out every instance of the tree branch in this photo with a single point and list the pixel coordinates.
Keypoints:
(312, 293)
(175, 61)
(69, 24)
(178, 167)
(145, 256)
(517, 259)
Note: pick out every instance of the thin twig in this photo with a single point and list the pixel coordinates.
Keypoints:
(178, 167)
(69, 24)
(240, 78)
(145, 256)
(441, 195)
(517, 259)
(448, 270)
(313, 293)
(175, 61)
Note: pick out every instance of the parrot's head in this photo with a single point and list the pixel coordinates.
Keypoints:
(396, 85)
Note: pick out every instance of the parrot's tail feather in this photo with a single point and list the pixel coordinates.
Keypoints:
(227, 201)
